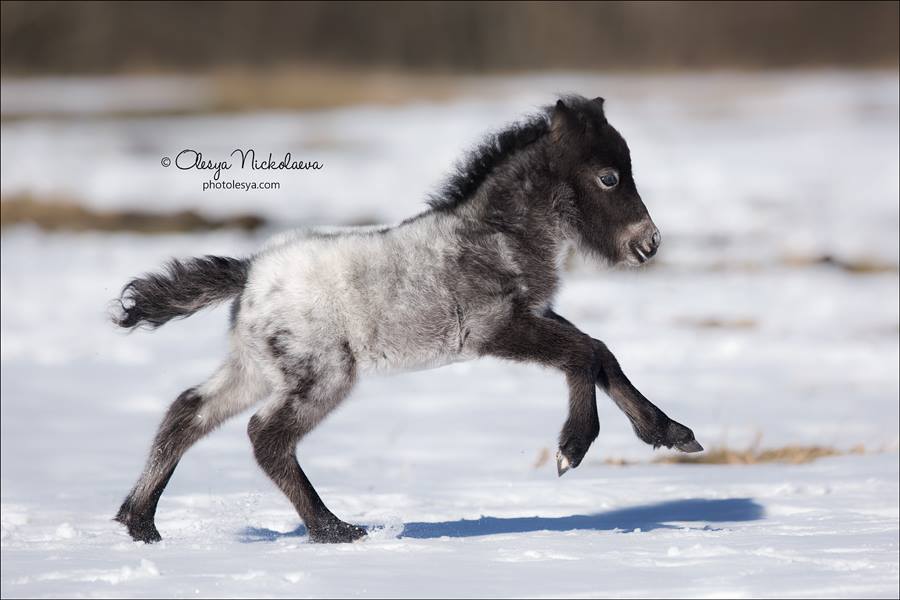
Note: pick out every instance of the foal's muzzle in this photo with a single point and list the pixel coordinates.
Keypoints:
(644, 246)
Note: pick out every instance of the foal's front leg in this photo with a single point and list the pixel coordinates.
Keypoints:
(555, 343)
(650, 423)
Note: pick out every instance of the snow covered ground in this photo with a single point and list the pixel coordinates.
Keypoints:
(738, 330)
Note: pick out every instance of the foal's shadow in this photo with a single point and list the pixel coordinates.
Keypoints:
(645, 518)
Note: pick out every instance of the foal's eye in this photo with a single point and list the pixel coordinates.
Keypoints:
(608, 179)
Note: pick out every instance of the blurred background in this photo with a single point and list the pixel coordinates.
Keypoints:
(450, 37)
(764, 137)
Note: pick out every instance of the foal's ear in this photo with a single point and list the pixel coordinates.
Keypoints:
(598, 102)
(559, 120)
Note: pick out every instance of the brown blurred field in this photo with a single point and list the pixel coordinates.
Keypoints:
(65, 215)
(442, 37)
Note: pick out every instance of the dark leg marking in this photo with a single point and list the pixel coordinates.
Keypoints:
(195, 413)
(314, 392)
(178, 431)
(555, 343)
(274, 439)
(650, 423)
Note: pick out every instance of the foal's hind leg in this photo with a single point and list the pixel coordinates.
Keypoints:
(313, 387)
(196, 412)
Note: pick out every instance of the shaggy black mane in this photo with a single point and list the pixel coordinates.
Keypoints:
(479, 163)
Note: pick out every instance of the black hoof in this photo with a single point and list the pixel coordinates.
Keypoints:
(141, 528)
(562, 463)
(682, 438)
(571, 452)
(335, 532)
(569, 456)
(691, 446)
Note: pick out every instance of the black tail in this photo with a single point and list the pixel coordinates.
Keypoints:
(183, 288)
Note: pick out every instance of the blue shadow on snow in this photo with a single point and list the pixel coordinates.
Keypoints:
(645, 518)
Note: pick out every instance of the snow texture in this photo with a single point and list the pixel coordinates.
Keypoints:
(737, 331)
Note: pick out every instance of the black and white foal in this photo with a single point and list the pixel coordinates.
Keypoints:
(473, 276)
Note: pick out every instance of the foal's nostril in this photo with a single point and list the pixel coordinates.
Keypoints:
(644, 246)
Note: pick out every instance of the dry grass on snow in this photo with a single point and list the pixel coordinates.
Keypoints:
(723, 455)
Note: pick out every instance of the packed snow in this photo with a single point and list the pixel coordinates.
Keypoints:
(770, 316)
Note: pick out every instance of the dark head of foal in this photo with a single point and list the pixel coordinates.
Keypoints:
(592, 158)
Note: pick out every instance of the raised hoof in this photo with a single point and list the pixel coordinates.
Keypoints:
(336, 532)
(691, 446)
(681, 438)
(141, 529)
(574, 442)
(562, 463)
